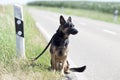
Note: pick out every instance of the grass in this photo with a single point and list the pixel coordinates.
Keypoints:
(107, 7)
(83, 13)
(12, 68)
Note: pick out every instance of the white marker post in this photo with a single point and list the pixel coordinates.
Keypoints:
(20, 45)
(115, 15)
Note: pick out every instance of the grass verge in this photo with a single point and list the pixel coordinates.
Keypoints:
(83, 13)
(10, 67)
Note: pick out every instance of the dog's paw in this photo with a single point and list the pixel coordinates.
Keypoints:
(62, 74)
(67, 72)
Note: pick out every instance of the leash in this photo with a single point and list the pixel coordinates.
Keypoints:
(43, 50)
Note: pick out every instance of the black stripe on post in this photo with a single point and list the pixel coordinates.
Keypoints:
(19, 27)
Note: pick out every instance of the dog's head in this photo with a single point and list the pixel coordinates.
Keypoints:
(67, 27)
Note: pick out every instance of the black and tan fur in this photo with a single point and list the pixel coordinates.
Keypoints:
(59, 47)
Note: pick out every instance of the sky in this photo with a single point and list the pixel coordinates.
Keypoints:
(25, 1)
(14, 1)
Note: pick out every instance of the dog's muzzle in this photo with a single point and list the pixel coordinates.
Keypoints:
(73, 31)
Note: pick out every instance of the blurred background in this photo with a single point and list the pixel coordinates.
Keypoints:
(96, 45)
(111, 8)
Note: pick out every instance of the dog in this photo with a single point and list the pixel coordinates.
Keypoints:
(59, 47)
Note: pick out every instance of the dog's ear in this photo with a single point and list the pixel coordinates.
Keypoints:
(62, 20)
(69, 19)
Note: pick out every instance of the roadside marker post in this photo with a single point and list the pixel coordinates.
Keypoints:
(115, 15)
(19, 28)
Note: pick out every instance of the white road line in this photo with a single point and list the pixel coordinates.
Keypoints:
(47, 37)
(43, 31)
(110, 32)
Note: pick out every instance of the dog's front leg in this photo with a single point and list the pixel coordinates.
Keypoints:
(62, 68)
(53, 66)
(66, 67)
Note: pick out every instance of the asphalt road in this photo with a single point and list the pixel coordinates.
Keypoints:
(97, 44)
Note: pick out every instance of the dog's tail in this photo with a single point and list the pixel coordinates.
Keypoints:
(43, 50)
(78, 69)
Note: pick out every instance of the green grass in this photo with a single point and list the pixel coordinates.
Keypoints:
(12, 68)
(83, 13)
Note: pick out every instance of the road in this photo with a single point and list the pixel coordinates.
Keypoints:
(97, 45)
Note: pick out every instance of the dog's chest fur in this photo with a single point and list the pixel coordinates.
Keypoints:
(59, 45)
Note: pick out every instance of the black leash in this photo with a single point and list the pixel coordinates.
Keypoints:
(43, 50)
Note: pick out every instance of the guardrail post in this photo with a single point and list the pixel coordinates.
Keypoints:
(19, 28)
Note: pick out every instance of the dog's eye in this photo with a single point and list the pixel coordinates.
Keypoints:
(71, 25)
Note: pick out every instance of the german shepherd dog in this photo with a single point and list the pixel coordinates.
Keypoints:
(59, 47)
